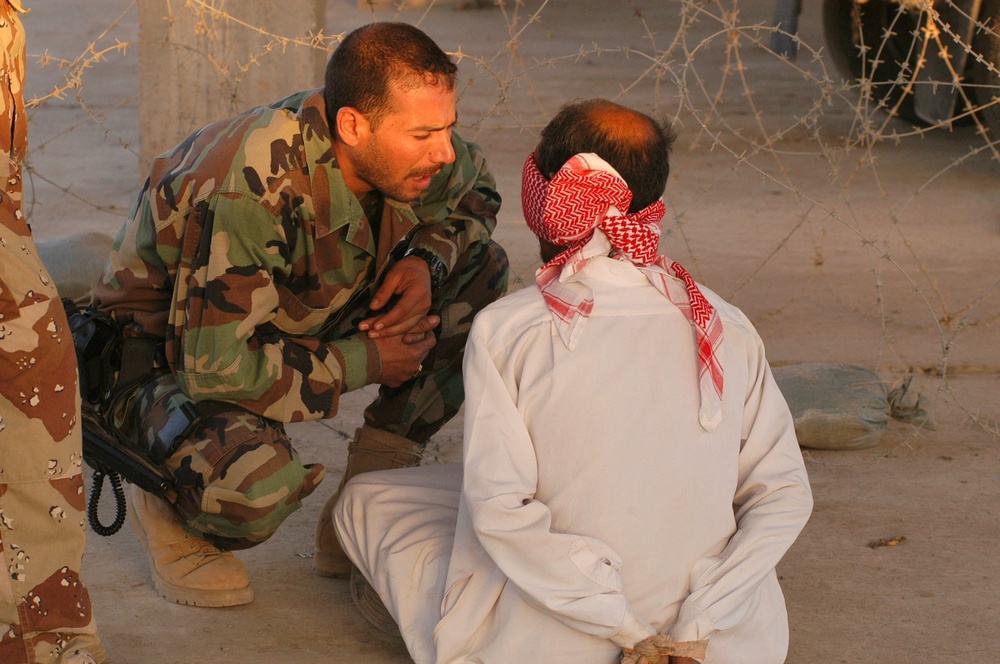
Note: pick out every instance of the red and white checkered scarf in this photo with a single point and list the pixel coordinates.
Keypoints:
(588, 194)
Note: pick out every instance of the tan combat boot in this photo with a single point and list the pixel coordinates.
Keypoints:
(80, 656)
(186, 569)
(370, 605)
(371, 449)
(83, 649)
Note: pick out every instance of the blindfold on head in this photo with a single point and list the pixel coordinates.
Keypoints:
(585, 195)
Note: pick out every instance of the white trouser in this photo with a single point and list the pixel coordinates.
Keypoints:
(398, 527)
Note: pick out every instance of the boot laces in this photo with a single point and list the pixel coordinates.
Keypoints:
(198, 548)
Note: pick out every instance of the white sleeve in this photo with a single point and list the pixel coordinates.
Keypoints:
(772, 504)
(571, 577)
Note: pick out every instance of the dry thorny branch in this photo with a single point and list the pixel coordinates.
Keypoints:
(700, 63)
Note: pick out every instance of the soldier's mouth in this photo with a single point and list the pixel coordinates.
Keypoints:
(423, 179)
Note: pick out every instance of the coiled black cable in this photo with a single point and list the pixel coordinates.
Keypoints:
(95, 499)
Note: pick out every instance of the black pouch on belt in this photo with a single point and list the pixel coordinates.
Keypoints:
(107, 361)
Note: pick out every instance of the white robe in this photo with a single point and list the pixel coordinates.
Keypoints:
(594, 509)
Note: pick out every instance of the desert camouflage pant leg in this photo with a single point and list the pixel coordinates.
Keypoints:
(236, 473)
(44, 605)
(419, 408)
(45, 609)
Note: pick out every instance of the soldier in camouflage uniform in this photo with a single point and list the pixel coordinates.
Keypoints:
(45, 612)
(337, 238)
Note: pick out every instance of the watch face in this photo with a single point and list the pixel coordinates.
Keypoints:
(437, 273)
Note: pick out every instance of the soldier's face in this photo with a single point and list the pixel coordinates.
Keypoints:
(411, 144)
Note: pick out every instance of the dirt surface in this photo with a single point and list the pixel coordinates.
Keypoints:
(883, 256)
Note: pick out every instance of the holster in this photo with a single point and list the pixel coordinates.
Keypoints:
(108, 364)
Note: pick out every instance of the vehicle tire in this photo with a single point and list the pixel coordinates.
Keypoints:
(986, 83)
(849, 27)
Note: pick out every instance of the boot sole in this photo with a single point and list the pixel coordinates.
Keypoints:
(202, 598)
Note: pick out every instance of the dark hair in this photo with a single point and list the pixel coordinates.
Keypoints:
(375, 56)
(636, 145)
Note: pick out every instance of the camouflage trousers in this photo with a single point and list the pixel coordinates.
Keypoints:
(237, 474)
(45, 609)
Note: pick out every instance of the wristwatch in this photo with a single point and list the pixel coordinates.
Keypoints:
(433, 262)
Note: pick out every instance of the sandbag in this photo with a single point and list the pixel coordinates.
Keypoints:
(844, 406)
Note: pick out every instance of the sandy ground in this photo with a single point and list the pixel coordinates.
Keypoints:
(882, 256)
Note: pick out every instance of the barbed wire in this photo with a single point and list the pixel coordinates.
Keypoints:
(708, 66)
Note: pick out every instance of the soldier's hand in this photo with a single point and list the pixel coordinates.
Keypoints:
(410, 280)
(401, 361)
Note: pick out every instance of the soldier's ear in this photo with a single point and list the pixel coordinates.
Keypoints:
(352, 126)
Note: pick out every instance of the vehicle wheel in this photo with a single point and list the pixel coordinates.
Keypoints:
(855, 36)
(986, 83)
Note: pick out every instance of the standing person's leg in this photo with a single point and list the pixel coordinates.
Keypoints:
(401, 420)
(398, 527)
(45, 609)
(237, 479)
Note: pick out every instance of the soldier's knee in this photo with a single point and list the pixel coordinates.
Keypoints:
(237, 498)
(480, 276)
(496, 265)
(244, 515)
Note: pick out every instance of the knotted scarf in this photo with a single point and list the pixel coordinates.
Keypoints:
(587, 194)
(660, 648)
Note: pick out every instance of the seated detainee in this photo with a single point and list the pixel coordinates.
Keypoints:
(630, 473)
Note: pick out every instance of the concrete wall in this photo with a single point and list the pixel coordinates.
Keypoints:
(204, 60)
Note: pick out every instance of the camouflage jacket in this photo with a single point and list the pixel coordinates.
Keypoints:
(245, 245)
